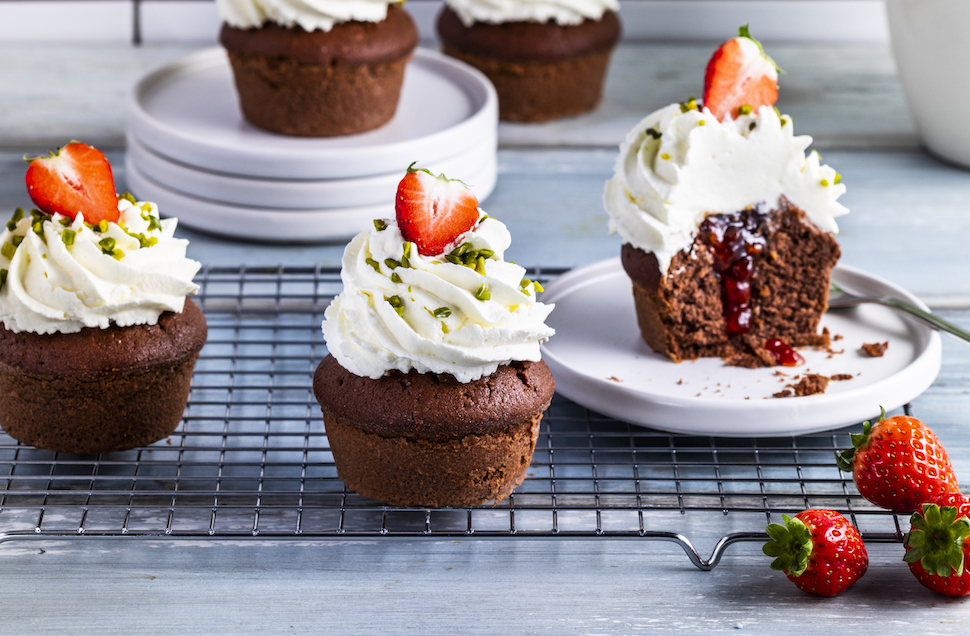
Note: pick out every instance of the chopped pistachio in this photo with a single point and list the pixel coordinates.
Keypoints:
(380, 225)
(460, 250)
(3, 277)
(395, 278)
(373, 263)
(451, 258)
(405, 262)
(824, 183)
(8, 250)
(665, 157)
(397, 304)
(777, 112)
(117, 254)
(653, 132)
(441, 312)
(485, 217)
(390, 262)
(690, 104)
(838, 179)
(480, 265)
(486, 253)
(702, 122)
(17, 240)
(784, 121)
(68, 236)
(482, 293)
(103, 225)
(127, 196)
(38, 228)
(65, 221)
(744, 109)
(107, 244)
(407, 248)
(444, 327)
(43, 257)
(153, 223)
(470, 258)
(18, 214)
(536, 286)
(752, 126)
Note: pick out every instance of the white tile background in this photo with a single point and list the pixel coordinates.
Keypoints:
(196, 21)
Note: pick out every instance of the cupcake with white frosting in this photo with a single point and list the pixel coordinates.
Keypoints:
(434, 388)
(547, 58)
(320, 68)
(97, 338)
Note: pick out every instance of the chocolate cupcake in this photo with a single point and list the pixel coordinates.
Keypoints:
(546, 61)
(97, 339)
(434, 391)
(317, 75)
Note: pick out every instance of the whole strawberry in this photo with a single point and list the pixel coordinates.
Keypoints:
(898, 463)
(938, 544)
(819, 550)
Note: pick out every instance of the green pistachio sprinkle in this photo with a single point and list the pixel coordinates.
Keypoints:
(38, 228)
(117, 254)
(824, 183)
(395, 278)
(409, 290)
(153, 223)
(373, 263)
(444, 328)
(486, 253)
(3, 277)
(103, 225)
(665, 157)
(8, 250)
(744, 109)
(37, 215)
(143, 241)
(752, 126)
(461, 249)
(43, 256)
(653, 132)
(838, 179)
(107, 244)
(380, 225)
(11, 225)
(397, 304)
(407, 249)
(127, 196)
(537, 287)
(18, 214)
(68, 236)
(65, 221)
(482, 293)
(702, 122)
(441, 312)
(17, 240)
(485, 217)
(405, 262)
(390, 262)
(689, 105)
(480, 265)
(470, 258)
(451, 258)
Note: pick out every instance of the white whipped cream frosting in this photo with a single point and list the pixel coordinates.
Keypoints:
(54, 287)
(368, 337)
(663, 188)
(309, 14)
(564, 12)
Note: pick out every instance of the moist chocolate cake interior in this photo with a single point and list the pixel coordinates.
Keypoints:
(748, 277)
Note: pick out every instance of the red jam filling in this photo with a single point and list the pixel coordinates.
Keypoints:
(786, 355)
(736, 242)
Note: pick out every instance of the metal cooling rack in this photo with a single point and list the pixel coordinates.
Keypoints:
(251, 458)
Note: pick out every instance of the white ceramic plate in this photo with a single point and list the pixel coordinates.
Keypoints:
(188, 112)
(273, 225)
(600, 361)
(296, 194)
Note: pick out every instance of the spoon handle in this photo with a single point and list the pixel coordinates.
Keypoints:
(925, 316)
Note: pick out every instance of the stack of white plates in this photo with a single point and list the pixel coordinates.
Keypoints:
(191, 152)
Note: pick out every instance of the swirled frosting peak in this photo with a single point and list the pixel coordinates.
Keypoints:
(563, 12)
(680, 164)
(464, 312)
(308, 14)
(60, 275)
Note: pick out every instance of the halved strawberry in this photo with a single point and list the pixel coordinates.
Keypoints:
(740, 74)
(432, 211)
(75, 178)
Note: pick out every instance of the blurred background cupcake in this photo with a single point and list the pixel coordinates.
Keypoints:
(320, 68)
(547, 58)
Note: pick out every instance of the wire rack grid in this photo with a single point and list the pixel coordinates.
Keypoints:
(251, 458)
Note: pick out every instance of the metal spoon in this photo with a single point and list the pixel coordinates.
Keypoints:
(839, 298)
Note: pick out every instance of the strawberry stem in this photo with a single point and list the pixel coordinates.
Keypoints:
(744, 32)
(845, 458)
(791, 544)
(936, 540)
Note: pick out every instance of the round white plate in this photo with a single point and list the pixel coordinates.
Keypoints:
(272, 225)
(296, 194)
(600, 361)
(188, 112)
